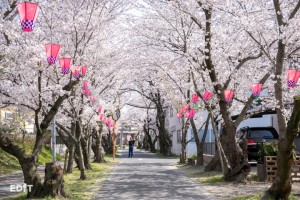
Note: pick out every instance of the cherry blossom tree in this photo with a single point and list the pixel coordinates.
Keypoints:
(28, 81)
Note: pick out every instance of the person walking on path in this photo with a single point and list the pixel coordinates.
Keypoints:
(131, 144)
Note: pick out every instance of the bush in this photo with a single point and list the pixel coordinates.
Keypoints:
(267, 149)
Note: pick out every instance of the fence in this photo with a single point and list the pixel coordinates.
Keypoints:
(209, 148)
(271, 168)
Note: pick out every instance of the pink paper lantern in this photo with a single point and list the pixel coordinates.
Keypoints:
(256, 88)
(182, 110)
(87, 92)
(228, 95)
(195, 98)
(190, 114)
(52, 52)
(85, 85)
(186, 107)
(83, 71)
(293, 76)
(179, 115)
(207, 95)
(92, 99)
(99, 108)
(65, 64)
(107, 121)
(76, 73)
(101, 117)
(28, 13)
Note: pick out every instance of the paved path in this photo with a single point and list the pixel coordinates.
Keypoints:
(15, 179)
(147, 177)
(6, 181)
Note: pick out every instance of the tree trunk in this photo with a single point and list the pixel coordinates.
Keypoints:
(31, 177)
(149, 138)
(85, 153)
(281, 187)
(70, 160)
(182, 159)
(163, 135)
(67, 140)
(200, 144)
(80, 161)
(107, 142)
(214, 164)
(79, 151)
(54, 181)
(146, 145)
(98, 145)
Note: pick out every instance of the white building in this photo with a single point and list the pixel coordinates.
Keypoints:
(174, 127)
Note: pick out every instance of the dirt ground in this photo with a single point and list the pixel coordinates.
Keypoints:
(224, 190)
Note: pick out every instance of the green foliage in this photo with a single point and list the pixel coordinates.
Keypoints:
(6, 129)
(194, 156)
(267, 149)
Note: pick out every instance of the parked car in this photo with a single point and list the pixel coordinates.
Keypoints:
(255, 136)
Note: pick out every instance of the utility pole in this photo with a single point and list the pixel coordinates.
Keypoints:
(53, 134)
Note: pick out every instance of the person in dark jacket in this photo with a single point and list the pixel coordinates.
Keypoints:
(131, 144)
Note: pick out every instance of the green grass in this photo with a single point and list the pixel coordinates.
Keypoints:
(248, 197)
(9, 164)
(85, 189)
(212, 179)
(201, 175)
(21, 196)
(253, 177)
(197, 171)
(173, 156)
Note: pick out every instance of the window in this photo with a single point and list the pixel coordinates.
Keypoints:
(171, 111)
(9, 115)
(178, 136)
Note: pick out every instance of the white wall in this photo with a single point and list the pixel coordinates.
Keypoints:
(174, 126)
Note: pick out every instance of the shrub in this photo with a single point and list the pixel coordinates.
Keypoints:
(267, 149)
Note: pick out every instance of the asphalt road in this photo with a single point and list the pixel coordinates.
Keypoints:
(147, 177)
(6, 181)
(15, 180)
